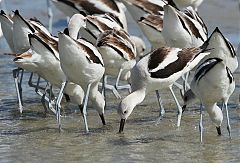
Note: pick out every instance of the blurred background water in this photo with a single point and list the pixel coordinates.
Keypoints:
(34, 137)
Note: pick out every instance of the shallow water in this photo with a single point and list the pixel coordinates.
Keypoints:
(34, 137)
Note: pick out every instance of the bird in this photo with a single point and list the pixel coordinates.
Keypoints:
(148, 15)
(92, 7)
(223, 49)
(158, 70)
(152, 26)
(21, 29)
(43, 59)
(82, 64)
(180, 30)
(213, 82)
(183, 31)
(118, 52)
(95, 25)
(140, 8)
(10, 33)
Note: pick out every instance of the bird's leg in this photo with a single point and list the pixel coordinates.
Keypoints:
(104, 81)
(15, 76)
(113, 89)
(43, 99)
(50, 99)
(162, 110)
(179, 115)
(58, 106)
(37, 86)
(117, 86)
(201, 123)
(228, 121)
(50, 16)
(20, 83)
(186, 86)
(85, 107)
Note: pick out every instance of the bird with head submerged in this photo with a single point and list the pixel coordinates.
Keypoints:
(158, 70)
(213, 82)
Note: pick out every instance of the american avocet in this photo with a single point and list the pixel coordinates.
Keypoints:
(148, 14)
(180, 30)
(92, 7)
(78, 28)
(20, 30)
(152, 26)
(140, 8)
(158, 70)
(118, 52)
(95, 25)
(223, 49)
(213, 82)
(83, 65)
(7, 26)
(43, 59)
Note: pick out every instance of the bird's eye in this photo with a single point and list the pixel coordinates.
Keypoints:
(125, 112)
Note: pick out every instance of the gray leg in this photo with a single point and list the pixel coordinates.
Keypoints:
(35, 86)
(185, 82)
(117, 86)
(50, 16)
(58, 106)
(162, 110)
(228, 121)
(15, 76)
(43, 99)
(178, 106)
(50, 96)
(85, 107)
(186, 86)
(113, 89)
(201, 123)
(20, 83)
(104, 81)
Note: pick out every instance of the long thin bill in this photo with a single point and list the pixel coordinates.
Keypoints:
(103, 119)
(121, 125)
(219, 130)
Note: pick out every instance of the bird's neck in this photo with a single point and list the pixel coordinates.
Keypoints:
(76, 22)
(215, 113)
(135, 98)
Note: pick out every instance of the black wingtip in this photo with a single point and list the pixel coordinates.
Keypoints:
(2, 12)
(66, 31)
(217, 30)
(16, 12)
(83, 13)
